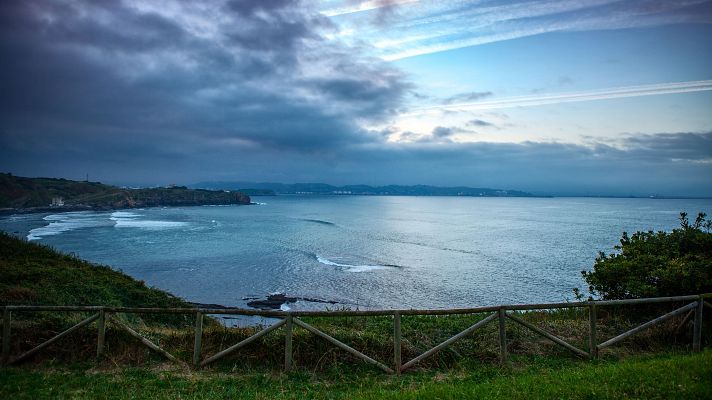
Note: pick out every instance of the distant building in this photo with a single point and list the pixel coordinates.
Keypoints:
(57, 202)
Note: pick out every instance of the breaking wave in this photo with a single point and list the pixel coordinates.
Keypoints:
(65, 222)
(354, 267)
(69, 221)
(125, 219)
(319, 221)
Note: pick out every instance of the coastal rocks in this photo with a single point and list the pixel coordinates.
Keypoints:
(275, 301)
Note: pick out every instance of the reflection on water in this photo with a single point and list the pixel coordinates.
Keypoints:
(364, 252)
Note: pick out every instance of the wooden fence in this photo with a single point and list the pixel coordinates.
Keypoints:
(290, 319)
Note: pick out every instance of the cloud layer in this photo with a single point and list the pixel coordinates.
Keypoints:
(243, 73)
(144, 93)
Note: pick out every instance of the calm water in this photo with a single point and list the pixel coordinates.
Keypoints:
(366, 252)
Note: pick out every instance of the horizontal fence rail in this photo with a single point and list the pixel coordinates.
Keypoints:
(289, 319)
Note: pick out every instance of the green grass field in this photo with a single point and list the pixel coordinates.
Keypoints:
(667, 376)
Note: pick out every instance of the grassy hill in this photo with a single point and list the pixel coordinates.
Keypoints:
(31, 273)
(22, 193)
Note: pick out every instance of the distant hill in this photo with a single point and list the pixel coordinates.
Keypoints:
(390, 190)
(27, 193)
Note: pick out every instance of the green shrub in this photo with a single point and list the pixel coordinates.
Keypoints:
(652, 264)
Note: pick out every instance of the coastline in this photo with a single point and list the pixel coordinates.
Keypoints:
(4, 212)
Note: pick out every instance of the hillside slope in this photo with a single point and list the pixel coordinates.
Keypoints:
(31, 273)
(22, 193)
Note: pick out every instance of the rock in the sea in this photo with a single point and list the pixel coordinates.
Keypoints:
(276, 300)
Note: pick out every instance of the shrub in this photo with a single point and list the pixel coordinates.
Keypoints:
(652, 264)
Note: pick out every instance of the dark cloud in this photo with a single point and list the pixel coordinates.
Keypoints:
(85, 73)
(384, 13)
(250, 7)
(665, 164)
(439, 134)
(479, 123)
(465, 97)
(443, 132)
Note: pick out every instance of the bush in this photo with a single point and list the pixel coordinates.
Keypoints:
(653, 264)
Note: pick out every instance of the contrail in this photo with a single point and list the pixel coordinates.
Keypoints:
(601, 94)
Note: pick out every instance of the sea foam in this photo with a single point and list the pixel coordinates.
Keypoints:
(69, 221)
(65, 222)
(350, 267)
(127, 219)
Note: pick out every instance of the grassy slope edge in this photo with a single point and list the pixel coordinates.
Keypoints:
(37, 274)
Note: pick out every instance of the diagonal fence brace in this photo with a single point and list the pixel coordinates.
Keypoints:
(684, 321)
(448, 342)
(549, 336)
(341, 345)
(646, 325)
(55, 338)
(243, 343)
(145, 341)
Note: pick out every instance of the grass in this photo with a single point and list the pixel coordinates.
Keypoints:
(37, 274)
(666, 376)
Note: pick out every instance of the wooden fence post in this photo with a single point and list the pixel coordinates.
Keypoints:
(101, 334)
(198, 343)
(697, 332)
(6, 320)
(289, 329)
(397, 342)
(502, 337)
(592, 334)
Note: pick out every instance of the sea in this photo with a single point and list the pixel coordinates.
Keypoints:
(359, 252)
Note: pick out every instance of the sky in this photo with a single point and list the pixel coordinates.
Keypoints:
(594, 97)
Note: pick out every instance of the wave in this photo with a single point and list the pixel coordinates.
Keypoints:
(123, 214)
(318, 221)
(147, 224)
(354, 267)
(127, 219)
(423, 244)
(69, 221)
(65, 222)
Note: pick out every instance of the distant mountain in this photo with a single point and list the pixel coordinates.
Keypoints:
(19, 193)
(390, 190)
